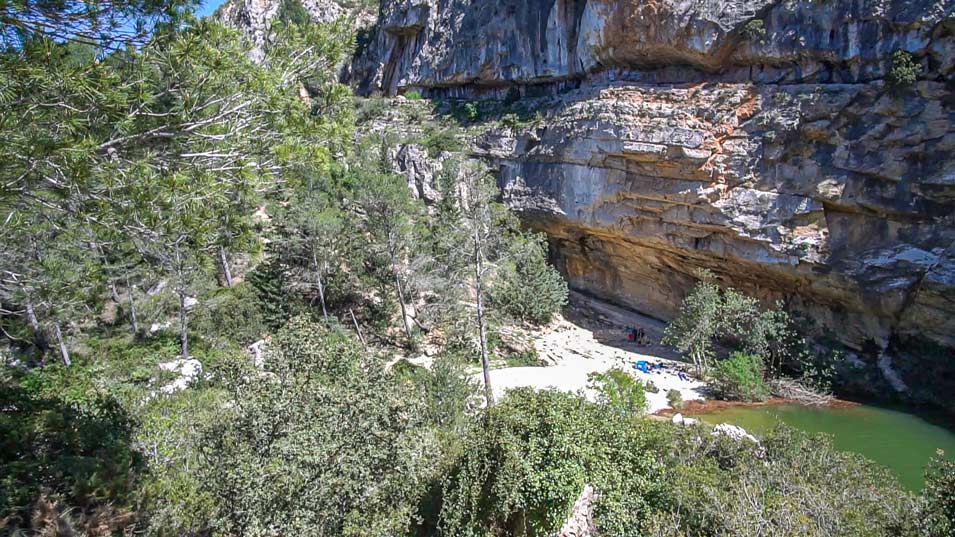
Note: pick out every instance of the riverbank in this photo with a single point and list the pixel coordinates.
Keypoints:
(712, 406)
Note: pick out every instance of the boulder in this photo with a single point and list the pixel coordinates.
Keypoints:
(680, 419)
(188, 371)
(580, 523)
(733, 431)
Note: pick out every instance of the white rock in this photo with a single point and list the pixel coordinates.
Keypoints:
(188, 370)
(156, 289)
(733, 431)
(157, 327)
(680, 419)
(257, 350)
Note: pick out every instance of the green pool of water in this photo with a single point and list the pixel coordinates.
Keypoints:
(901, 441)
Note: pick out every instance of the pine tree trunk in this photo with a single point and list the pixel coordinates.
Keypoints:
(64, 353)
(321, 286)
(482, 323)
(226, 271)
(401, 301)
(183, 313)
(183, 325)
(34, 322)
(357, 328)
(132, 308)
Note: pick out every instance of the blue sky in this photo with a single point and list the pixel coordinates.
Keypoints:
(207, 7)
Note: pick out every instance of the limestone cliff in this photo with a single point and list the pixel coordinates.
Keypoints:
(761, 140)
(254, 17)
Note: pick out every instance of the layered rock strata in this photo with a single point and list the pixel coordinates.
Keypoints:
(770, 142)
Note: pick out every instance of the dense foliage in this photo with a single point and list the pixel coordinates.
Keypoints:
(531, 289)
(619, 391)
(324, 442)
(939, 497)
(744, 345)
(521, 473)
(741, 377)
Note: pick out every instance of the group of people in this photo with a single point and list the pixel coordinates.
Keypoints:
(637, 335)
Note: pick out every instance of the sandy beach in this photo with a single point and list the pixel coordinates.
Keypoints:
(593, 339)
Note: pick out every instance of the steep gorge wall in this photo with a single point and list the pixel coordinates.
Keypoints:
(757, 139)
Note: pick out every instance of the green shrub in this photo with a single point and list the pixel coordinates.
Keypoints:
(726, 487)
(472, 111)
(754, 29)
(230, 315)
(905, 70)
(938, 498)
(64, 438)
(511, 120)
(371, 108)
(529, 289)
(620, 391)
(675, 399)
(651, 387)
(327, 444)
(524, 470)
(413, 95)
(409, 372)
(438, 140)
(276, 305)
(528, 358)
(711, 313)
(741, 377)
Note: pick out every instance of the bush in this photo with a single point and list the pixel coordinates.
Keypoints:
(406, 371)
(472, 111)
(438, 140)
(327, 444)
(754, 29)
(620, 391)
(275, 303)
(511, 120)
(529, 289)
(230, 315)
(65, 441)
(741, 377)
(905, 70)
(371, 108)
(522, 472)
(724, 487)
(413, 95)
(651, 387)
(675, 399)
(938, 498)
(527, 358)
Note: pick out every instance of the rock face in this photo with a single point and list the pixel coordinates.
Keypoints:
(760, 140)
(254, 17)
(493, 43)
